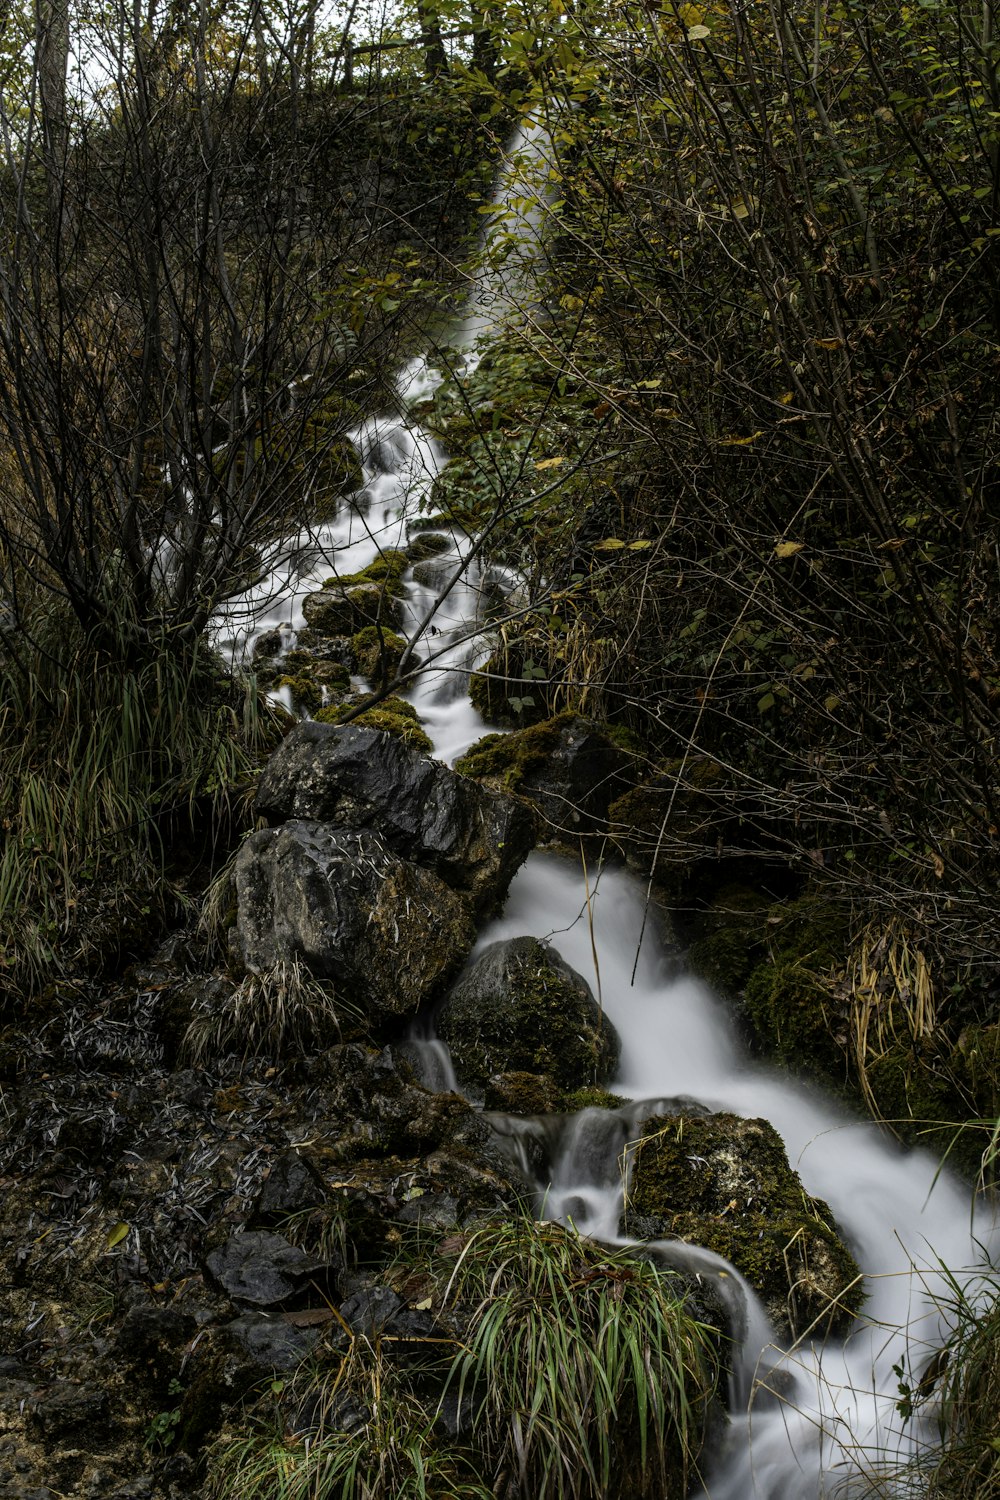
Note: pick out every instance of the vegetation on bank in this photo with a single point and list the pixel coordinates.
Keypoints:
(575, 1373)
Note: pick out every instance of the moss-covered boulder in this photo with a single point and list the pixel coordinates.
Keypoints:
(521, 1009)
(427, 544)
(342, 609)
(787, 998)
(508, 690)
(568, 766)
(725, 1183)
(672, 817)
(377, 653)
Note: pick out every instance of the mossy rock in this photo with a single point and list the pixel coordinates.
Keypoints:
(391, 716)
(518, 1093)
(591, 1098)
(916, 1093)
(387, 570)
(305, 693)
(427, 544)
(786, 1004)
(685, 805)
(521, 1009)
(725, 1183)
(377, 653)
(501, 692)
(343, 608)
(568, 766)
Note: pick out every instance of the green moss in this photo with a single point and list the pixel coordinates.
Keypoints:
(518, 1093)
(377, 652)
(786, 1003)
(501, 692)
(428, 544)
(508, 758)
(725, 1183)
(391, 716)
(305, 692)
(387, 570)
(591, 1098)
(916, 1093)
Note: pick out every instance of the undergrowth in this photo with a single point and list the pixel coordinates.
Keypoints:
(110, 762)
(571, 1372)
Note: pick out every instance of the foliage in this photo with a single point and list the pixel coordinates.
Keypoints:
(588, 1375)
(105, 763)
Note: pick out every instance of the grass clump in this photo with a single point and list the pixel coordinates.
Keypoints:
(588, 1374)
(578, 1371)
(283, 1013)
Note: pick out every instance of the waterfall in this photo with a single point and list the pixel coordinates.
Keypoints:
(835, 1428)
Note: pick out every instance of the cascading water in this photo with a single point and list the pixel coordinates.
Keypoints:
(820, 1419)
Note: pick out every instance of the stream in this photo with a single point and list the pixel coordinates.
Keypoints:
(818, 1419)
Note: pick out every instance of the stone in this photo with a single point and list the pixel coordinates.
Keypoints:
(567, 766)
(258, 1267)
(725, 1183)
(271, 1343)
(387, 932)
(351, 777)
(520, 1008)
(70, 1408)
(292, 1185)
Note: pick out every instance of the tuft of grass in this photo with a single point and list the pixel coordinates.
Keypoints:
(588, 1374)
(578, 1373)
(285, 1012)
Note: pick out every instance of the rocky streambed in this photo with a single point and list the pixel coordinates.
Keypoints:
(231, 1168)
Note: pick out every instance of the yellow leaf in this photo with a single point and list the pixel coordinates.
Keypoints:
(829, 343)
(119, 1233)
(741, 442)
(788, 549)
(612, 544)
(423, 1306)
(697, 33)
(549, 463)
(638, 546)
(786, 398)
(831, 703)
(938, 863)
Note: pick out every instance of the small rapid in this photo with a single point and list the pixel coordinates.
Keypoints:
(818, 1419)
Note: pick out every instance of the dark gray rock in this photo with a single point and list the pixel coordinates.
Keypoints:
(271, 1343)
(521, 1009)
(258, 1267)
(353, 777)
(386, 932)
(370, 1310)
(148, 1332)
(291, 1186)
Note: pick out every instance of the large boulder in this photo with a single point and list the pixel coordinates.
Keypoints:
(521, 1009)
(568, 766)
(724, 1183)
(385, 931)
(358, 778)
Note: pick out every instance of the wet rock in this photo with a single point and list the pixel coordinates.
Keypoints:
(272, 1343)
(357, 778)
(291, 1186)
(337, 610)
(349, 909)
(568, 766)
(522, 1094)
(258, 1267)
(724, 1183)
(371, 1310)
(521, 1009)
(69, 1409)
(427, 544)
